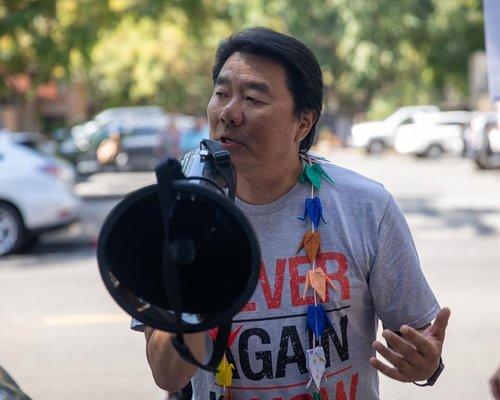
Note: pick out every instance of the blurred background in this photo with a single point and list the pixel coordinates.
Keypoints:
(94, 93)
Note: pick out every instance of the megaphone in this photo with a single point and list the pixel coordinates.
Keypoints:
(178, 255)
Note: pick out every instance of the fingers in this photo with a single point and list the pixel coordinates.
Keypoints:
(403, 347)
(421, 343)
(386, 370)
(495, 389)
(394, 358)
(408, 363)
(441, 322)
(414, 355)
(495, 385)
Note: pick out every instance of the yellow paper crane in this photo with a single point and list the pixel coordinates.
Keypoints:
(224, 374)
(317, 279)
(311, 243)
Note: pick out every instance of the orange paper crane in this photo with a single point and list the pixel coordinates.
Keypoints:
(311, 243)
(317, 279)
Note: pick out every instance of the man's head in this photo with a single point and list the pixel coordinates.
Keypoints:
(268, 94)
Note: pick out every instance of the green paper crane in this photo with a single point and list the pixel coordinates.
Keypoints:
(314, 173)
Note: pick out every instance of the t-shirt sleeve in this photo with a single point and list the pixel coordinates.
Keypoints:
(400, 292)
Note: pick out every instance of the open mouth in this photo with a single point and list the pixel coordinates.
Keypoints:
(226, 140)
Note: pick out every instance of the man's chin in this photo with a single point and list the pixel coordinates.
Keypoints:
(240, 162)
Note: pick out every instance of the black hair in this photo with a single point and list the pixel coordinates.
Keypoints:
(304, 78)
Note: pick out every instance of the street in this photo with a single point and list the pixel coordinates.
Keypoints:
(63, 337)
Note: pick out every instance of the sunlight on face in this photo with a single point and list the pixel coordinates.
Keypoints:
(252, 112)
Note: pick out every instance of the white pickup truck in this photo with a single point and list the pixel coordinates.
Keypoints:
(434, 134)
(376, 136)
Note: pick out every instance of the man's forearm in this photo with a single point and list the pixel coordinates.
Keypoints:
(170, 371)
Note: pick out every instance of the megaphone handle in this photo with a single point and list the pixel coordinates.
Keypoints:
(217, 354)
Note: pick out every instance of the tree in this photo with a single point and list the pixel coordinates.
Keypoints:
(378, 54)
(48, 39)
(374, 55)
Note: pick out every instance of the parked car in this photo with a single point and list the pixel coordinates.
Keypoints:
(141, 140)
(77, 140)
(376, 136)
(483, 140)
(35, 195)
(139, 144)
(433, 134)
(121, 113)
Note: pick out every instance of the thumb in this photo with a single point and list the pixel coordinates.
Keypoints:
(441, 322)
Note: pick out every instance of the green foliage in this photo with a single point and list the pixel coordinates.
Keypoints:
(374, 54)
(55, 38)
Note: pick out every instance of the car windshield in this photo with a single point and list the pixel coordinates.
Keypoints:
(397, 117)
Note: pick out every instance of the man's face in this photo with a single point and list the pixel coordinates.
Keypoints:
(251, 112)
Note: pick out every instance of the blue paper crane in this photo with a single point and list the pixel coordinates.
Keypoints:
(317, 320)
(313, 210)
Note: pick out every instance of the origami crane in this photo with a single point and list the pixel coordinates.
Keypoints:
(224, 374)
(318, 279)
(311, 243)
(314, 173)
(317, 319)
(316, 362)
(313, 210)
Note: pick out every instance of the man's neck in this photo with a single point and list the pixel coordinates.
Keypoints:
(270, 185)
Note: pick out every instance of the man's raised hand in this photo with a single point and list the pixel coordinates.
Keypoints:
(414, 355)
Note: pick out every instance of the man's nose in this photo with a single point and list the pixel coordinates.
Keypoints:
(232, 114)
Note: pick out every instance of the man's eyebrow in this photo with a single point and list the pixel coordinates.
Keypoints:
(257, 86)
(253, 85)
(221, 80)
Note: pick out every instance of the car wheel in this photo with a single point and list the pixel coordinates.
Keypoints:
(375, 147)
(12, 231)
(434, 151)
(482, 161)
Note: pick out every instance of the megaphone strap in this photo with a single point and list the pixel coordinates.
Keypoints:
(222, 162)
(217, 353)
(166, 172)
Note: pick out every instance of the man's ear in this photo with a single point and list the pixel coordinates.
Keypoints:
(306, 121)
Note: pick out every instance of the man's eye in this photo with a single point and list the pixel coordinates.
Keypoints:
(220, 95)
(253, 100)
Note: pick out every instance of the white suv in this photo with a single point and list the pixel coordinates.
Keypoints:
(35, 195)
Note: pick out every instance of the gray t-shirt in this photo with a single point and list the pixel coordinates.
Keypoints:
(367, 251)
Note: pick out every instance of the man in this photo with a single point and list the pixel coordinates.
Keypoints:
(193, 136)
(264, 109)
